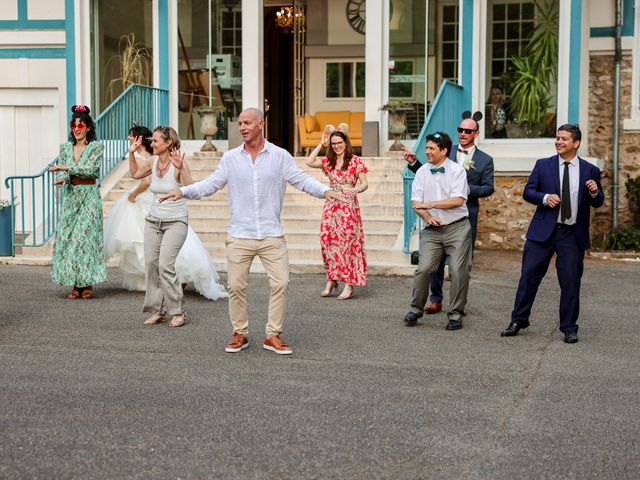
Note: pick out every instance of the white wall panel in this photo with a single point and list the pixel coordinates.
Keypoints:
(45, 9)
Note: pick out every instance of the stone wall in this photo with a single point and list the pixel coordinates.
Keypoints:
(504, 216)
(601, 88)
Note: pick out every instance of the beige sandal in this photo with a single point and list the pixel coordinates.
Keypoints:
(154, 319)
(177, 323)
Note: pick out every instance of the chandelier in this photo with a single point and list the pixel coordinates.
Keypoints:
(287, 16)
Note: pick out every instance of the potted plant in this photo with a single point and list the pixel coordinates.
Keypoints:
(397, 121)
(209, 124)
(535, 73)
(6, 233)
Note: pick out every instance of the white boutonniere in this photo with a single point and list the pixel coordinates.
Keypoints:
(468, 164)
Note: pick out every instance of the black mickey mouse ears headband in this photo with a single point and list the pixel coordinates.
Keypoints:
(477, 116)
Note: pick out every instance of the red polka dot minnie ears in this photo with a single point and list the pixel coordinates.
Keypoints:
(80, 108)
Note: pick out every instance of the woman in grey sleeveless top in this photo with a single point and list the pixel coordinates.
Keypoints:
(166, 225)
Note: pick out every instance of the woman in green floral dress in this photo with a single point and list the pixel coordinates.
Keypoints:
(78, 252)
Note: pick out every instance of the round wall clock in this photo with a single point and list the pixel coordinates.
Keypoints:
(356, 14)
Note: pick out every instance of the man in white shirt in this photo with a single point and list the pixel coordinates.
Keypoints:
(439, 196)
(257, 173)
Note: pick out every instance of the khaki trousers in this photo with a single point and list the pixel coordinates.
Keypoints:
(163, 240)
(274, 256)
(453, 240)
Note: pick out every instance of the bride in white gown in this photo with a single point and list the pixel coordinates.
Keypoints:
(124, 239)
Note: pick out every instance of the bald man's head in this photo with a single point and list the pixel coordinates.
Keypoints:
(256, 112)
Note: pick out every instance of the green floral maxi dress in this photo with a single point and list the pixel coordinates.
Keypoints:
(78, 250)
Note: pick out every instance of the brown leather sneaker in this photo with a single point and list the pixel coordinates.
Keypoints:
(238, 342)
(434, 307)
(277, 345)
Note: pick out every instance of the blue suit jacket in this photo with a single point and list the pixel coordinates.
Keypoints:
(479, 177)
(545, 179)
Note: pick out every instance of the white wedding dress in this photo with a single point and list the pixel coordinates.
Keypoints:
(124, 242)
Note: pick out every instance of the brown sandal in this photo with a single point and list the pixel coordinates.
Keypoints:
(75, 293)
(87, 293)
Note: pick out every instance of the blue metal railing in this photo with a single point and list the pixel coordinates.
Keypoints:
(36, 202)
(444, 116)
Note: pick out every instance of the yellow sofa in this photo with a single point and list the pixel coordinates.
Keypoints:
(310, 127)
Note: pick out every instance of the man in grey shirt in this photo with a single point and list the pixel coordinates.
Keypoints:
(256, 173)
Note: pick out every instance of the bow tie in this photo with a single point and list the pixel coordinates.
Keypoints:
(437, 170)
(466, 152)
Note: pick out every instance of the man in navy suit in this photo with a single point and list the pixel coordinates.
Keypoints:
(479, 166)
(563, 187)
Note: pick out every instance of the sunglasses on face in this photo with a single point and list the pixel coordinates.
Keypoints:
(468, 131)
(77, 126)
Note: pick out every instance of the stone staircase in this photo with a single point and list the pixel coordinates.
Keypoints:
(381, 207)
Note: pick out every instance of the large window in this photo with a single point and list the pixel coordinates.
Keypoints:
(344, 80)
(195, 55)
(521, 69)
(122, 43)
(407, 65)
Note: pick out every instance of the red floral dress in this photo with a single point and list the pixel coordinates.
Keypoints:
(341, 234)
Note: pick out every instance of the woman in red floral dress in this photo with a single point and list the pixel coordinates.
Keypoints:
(341, 234)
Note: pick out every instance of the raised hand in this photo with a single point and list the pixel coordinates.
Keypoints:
(408, 155)
(592, 186)
(135, 144)
(176, 158)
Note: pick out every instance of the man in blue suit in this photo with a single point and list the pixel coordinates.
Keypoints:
(563, 187)
(479, 166)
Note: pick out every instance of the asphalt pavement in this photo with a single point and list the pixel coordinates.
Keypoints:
(88, 392)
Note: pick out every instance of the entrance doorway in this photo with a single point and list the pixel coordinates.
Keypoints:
(278, 82)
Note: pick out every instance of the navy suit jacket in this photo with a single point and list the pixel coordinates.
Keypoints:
(545, 179)
(479, 177)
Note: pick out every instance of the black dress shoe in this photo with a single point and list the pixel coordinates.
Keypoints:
(570, 337)
(512, 330)
(454, 325)
(411, 319)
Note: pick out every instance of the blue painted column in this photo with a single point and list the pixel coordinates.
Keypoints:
(466, 61)
(70, 52)
(575, 46)
(163, 43)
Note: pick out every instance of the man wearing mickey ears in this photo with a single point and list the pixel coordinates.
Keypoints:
(439, 197)
(479, 167)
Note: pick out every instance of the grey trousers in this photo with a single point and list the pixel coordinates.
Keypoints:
(453, 240)
(163, 240)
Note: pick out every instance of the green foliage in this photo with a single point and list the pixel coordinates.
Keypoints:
(530, 97)
(633, 194)
(625, 238)
(628, 238)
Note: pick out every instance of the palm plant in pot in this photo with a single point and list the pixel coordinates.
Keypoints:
(535, 73)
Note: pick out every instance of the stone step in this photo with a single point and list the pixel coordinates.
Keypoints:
(297, 235)
(372, 163)
(295, 195)
(382, 183)
(312, 208)
(305, 253)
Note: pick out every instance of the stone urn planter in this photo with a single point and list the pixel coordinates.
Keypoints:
(397, 122)
(209, 125)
